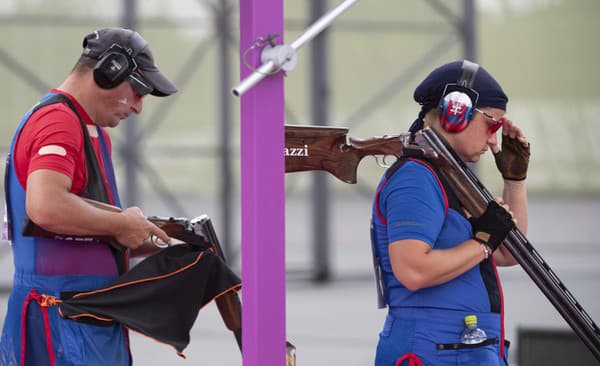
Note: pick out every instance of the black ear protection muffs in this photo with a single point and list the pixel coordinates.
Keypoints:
(459, 100)
(117, 64)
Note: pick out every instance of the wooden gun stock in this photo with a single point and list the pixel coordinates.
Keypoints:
(178, 228)
(30, 228)
(332, 150)
(228, 304)
(230, 308)
(175, 227)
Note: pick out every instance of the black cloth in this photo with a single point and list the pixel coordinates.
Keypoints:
(160, 297)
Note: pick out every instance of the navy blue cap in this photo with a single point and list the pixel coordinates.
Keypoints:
(429, 92)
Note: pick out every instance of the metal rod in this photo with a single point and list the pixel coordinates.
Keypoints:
(223, 29)
(19, 70)
(319, 96)
(183, 77)
(130, 150)
(397, 83)
(253, 79)
(269, 67)
(322, 23)
(469, 31)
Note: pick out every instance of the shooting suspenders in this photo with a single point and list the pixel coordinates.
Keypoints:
(451, 201)
(95, 188)
(486, 267)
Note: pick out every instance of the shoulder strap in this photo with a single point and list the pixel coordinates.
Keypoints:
(453, 201)
(450, 198)
(388, 174)
(94, 185)
(450, 201)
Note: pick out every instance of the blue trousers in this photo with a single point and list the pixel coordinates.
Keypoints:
(434, 336)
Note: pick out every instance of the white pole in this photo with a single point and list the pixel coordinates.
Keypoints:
(269, 67)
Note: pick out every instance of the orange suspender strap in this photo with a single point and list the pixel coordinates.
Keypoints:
(44, 301)
(413, 360)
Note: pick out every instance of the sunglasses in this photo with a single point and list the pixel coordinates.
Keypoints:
(140, 84)
(496, 122)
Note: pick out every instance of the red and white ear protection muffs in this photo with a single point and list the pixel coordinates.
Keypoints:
(459, 100)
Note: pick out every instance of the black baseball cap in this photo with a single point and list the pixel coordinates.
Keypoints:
(98, 42)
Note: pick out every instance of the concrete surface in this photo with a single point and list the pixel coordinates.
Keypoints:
(338, 322)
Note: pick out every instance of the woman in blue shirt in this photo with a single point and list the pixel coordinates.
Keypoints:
(437, 265)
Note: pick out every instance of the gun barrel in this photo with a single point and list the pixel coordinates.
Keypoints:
(475, 197)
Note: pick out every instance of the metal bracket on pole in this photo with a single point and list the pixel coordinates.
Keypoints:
(283, 57)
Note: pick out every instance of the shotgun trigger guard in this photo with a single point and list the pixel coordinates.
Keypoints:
(159, 243)
(382, 163)
(345, 147)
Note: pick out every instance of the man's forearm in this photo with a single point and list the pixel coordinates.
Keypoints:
(68, 213)
(50, 205)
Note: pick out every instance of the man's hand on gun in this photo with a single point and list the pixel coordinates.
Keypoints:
(513, 159)
(136, 229)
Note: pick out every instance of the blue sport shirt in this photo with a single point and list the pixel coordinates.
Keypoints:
(412, 204)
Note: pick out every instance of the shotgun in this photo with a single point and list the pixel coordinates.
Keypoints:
(332, 150)
(198, 231)
(342, 161)
(475, 197)
(178, 228)
(230, 306)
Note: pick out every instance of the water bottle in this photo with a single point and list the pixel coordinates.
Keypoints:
(472, 334)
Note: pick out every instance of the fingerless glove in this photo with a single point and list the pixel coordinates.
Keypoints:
(492, 227)
(512, 161)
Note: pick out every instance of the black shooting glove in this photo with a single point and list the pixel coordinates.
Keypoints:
(512, 161)
(492, 227)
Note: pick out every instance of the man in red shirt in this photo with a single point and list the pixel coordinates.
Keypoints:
(61, 154)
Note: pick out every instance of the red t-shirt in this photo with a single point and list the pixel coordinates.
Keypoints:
(52, 139)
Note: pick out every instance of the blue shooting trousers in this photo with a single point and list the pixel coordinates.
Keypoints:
(433, 335)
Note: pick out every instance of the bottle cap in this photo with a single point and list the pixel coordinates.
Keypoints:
(470, 319)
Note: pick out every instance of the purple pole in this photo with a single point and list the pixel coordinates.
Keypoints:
(263, 195)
